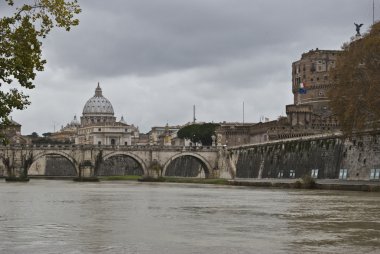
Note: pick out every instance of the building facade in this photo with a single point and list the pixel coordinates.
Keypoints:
(12, 134)
(166, 136)
(311, 80)
(311, 83)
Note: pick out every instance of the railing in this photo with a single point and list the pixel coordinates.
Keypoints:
(110, 147)
(332, 135)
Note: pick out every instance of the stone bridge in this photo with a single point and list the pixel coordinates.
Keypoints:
(86, 158)
(324, 156)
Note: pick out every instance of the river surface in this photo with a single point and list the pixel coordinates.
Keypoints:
(47, 216)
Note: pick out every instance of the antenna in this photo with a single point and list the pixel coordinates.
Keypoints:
(243, 112)
(194, 114)
(54, 123)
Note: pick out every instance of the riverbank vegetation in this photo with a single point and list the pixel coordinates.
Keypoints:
(166, 179)
(355, 95)
(120, 178)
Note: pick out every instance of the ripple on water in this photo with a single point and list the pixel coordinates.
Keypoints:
(62, 217)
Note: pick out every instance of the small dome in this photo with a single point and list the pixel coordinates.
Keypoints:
(122, 120)
(98, 104)
(75, 121)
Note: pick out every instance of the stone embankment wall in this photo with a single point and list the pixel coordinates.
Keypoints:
(328, 157)
(186, 166)
(59, 166)
(52, 165)
(361, 156)
(118, 166)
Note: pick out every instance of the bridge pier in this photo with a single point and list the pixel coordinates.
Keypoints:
(16, 162)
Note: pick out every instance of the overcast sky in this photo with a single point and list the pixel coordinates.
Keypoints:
(155, 59)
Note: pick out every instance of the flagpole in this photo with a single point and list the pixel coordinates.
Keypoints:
(243, 112)
(373, 12)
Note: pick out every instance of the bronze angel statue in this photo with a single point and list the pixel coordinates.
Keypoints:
(358, 29)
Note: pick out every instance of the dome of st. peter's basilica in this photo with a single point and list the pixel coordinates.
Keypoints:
(98, 104)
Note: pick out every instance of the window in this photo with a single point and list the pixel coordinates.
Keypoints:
(343, 174)
(312, 69)
(298, 81)
(314, 173)
(113, 142)
(100, 129)
(280, 174)
(99, 142)
(375, 174)
(292, 173)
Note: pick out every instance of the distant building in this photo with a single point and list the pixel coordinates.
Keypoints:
(68, 133)
(233, 134)
(311, 80)
(310, 113)
(99, 126)
(12, 133)
(165, 135)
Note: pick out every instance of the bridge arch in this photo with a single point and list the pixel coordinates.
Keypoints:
(131, 155)
(42, 154)
(207, 167)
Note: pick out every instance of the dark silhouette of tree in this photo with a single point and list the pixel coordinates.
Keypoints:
(198, 133)
(355, 95)
(34, 135)
(21, 37)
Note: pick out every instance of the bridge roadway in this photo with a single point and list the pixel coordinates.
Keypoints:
(86, 158)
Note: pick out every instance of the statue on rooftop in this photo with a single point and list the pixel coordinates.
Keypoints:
(358, 29)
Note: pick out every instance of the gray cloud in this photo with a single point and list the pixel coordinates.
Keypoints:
(145, 37)
(155, 59)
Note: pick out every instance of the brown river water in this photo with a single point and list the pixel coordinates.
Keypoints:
(47, 216)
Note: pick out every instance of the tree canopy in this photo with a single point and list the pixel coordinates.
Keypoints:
(198, 133)
(21, 37)
(355, 95)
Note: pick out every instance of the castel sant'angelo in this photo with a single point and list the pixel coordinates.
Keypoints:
(309, 115)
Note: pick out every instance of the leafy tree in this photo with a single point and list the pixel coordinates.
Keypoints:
(34, 135)
(355, 96)
(21, 37)
(46, 134)
(198, 133)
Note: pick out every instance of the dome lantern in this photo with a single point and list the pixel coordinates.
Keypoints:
(98, 91)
